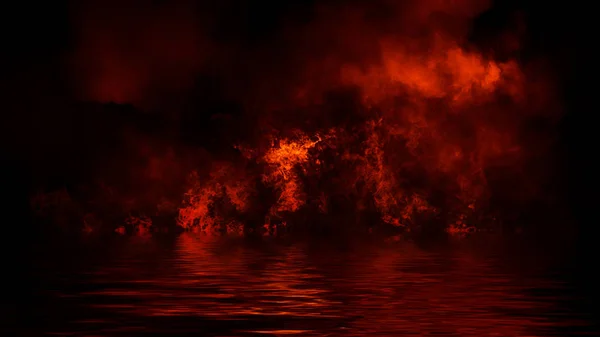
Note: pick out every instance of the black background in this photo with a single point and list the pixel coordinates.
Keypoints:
(36, 36)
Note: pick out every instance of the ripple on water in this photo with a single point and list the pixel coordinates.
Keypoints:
(207, 286)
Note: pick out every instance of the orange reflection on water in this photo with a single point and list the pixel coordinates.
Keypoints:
(241, 288)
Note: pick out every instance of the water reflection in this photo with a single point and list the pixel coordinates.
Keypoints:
(206, 286)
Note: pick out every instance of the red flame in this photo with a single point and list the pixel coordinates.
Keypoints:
(429, 125)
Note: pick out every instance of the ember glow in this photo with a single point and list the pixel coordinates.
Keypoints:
(397, 121)
(212, 202)
(284, 160)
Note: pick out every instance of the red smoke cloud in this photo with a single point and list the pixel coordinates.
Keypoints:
(130, 52)
(433, 123)
(139, 52)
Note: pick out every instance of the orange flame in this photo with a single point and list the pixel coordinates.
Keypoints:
(431, 119)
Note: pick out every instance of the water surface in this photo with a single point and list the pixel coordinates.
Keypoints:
(204, 286)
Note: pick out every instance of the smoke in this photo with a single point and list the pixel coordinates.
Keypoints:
(146, 53)
(400, 98)
(137, 52)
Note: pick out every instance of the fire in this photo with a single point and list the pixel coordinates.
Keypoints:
(428, 124)
(209, 204)
(284, 160)
(396, 208)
